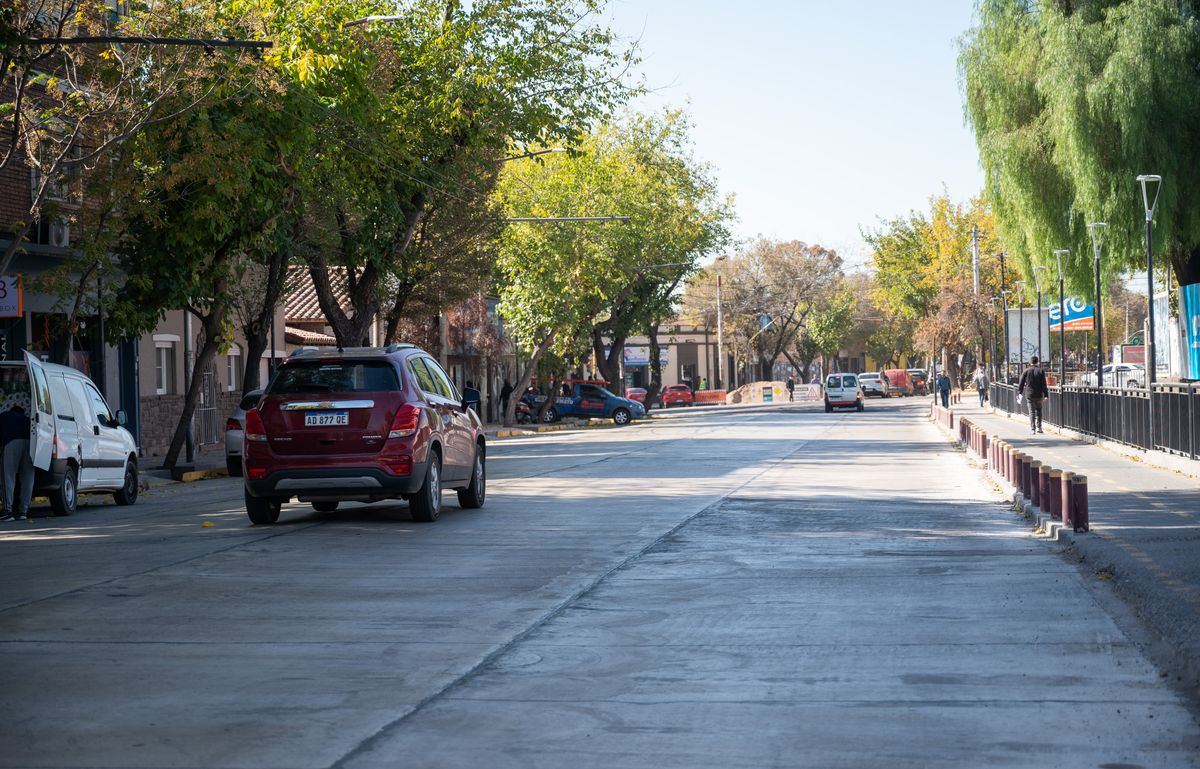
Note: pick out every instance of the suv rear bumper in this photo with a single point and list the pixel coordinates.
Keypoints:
(343, 483)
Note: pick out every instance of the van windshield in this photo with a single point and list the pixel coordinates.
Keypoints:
(335, 377)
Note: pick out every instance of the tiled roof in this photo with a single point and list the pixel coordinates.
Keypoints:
(293, 335)
(300, 302)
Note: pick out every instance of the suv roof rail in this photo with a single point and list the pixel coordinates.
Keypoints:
(397, 346)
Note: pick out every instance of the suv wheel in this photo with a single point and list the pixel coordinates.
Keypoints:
(426, 504)
(471, 498)
(129, 490)
(234, 466)
(262, 510)
(621, 416)
(65, 499)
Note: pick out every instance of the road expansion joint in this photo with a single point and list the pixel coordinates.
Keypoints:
(557, 610)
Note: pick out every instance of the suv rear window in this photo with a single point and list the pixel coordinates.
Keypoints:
(335, 377)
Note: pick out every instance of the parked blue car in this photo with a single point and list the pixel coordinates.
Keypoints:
(589, 399)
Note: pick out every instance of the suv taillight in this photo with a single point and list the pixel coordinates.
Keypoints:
(232, 424)
(255, 429)
(406, 421)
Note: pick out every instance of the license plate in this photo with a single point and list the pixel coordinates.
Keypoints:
(327, 419)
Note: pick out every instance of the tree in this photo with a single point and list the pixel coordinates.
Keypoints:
(677, 216)
(1070, 101)
(923, 275)
(832, 323)
(420, 109)
(769, 291)
(64, 109)
(557, 278)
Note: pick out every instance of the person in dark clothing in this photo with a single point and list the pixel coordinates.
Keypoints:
(505, 394)
(1034, 389)
(18, 465)
(944, 386)
(791, 385)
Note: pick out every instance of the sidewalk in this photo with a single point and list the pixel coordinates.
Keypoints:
(1145, 531)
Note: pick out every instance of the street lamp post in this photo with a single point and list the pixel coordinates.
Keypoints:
(992, 318)
(1096, 231)
(1147, 180)
(1004, 305)
(1062, 320)
(1036, 269)
(1020, 325)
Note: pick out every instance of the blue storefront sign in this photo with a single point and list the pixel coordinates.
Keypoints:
(1191, 317)
(1080, 316)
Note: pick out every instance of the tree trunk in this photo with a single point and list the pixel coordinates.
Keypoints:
(654, 386)
(526, 375)
(1185, 262)
(212, 324)
(551, 399)
(258, 329)
(609, 365)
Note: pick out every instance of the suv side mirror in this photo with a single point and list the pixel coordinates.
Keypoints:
(121, 418)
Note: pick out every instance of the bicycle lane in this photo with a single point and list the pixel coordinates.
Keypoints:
(1145, 533)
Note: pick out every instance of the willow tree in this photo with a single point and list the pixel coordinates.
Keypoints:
(1070, 101)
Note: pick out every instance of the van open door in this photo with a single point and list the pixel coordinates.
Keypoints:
(41, 416)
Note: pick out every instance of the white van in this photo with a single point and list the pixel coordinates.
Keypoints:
(76, 443)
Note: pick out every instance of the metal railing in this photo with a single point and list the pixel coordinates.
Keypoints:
(1121, 414)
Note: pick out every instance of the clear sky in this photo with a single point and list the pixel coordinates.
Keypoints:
(821, 116)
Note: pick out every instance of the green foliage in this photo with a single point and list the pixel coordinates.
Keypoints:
(1070, 102)
(561, 277)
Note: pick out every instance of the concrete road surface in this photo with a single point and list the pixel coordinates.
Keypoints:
(758, 589)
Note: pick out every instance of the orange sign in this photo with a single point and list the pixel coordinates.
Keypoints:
(710, 396)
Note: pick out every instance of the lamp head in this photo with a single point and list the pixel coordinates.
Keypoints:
(1096, 231)
(1147, 180)
(1058, 256)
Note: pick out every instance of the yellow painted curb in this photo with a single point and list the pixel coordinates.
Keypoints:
(203, 475)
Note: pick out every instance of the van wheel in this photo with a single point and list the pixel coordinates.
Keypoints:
(129, 490)
(426, 504)
(860, 406)
(65, 499)
(828, 408)
(262, 510)
(472, 497)
(325, 506)
(234, 466)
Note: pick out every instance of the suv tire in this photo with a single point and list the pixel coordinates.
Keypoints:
(262, 511)
(128, 493)
(426, 504)
(472, 497)
(65, 499)
(234, 466)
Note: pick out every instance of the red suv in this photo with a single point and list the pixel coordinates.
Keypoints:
(362, 424)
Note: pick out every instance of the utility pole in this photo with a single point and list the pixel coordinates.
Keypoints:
(1151, 356)
(720, 338)
(975, 258)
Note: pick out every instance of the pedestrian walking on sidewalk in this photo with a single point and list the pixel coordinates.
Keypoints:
(18, 465)
(791, 385)
(1035, 389)
(981, 384)
(943, 388)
